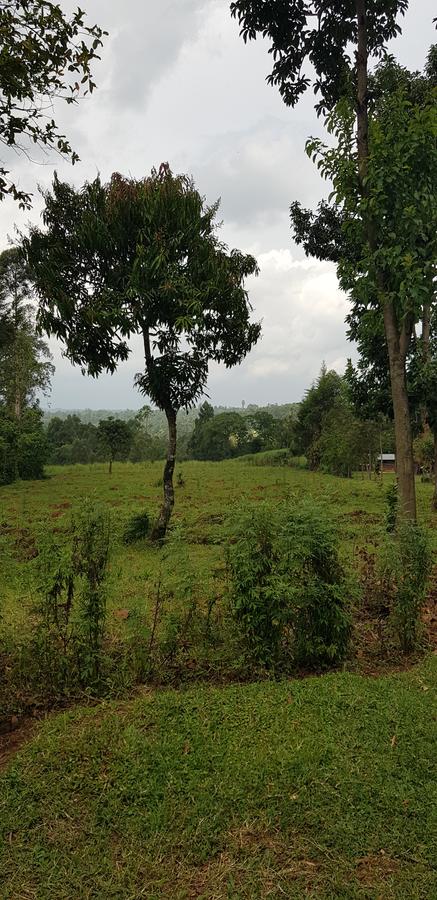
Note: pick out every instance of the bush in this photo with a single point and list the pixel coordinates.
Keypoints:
(318, 586)
(258, 600)
(288, 588)
(405, 565)
(72, 606)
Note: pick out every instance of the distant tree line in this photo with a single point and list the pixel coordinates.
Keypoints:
(208, 433)
(333, 434)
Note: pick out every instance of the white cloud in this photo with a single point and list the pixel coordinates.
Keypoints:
(177, 83)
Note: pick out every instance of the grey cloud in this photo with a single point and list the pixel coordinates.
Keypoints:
(145, 43)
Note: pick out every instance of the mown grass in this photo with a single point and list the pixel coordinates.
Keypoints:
(317, 788)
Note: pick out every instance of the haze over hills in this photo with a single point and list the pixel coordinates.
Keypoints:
(156, 421)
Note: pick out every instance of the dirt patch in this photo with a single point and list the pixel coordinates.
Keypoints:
(24, 545)
(376, 867)
(14, 733)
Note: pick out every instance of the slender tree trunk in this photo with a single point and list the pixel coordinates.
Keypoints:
(161, 524)
(110, 465)
(397, 342)
(397, 353)
(434, 499)
(426, 336)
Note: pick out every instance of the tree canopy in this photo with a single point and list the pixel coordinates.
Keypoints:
(143, 257)
(318, 33)
(45, 55)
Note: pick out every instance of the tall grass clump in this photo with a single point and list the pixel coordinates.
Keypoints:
(289, 592)
(405, 565)
(71, 607)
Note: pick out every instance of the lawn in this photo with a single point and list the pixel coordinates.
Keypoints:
(317, 788)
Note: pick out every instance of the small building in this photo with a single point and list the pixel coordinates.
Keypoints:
(386, 462)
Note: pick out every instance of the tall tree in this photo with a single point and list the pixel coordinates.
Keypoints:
(143, 257)
(366, 24)
(44, 55)
(25, 367)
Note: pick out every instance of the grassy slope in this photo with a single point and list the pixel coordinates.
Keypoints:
(323, 788)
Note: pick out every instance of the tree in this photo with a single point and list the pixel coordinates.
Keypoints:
(44, 55)
(143, 257)
(319, 400)
(23, 448)
(25, 367)
(393, 274)
(25, 370)
(116, 437)
(222, 436)
(205, 414)
(367, 25)
(320, 33)
(263, 431)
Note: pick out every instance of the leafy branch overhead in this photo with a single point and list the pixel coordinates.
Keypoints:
(44, 55)
(319, 33)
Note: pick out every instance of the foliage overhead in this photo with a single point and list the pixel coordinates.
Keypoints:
(316, 33)
(45, 55)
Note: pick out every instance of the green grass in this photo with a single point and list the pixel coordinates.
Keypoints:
(317, 788)
(192, 567)
(210, 493)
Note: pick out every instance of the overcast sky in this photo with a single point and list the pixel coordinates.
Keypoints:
(176, 83)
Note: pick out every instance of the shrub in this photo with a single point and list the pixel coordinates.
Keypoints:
(406, 561)
(318, 585)
(259, 603)
(72, 606)
(288, 588)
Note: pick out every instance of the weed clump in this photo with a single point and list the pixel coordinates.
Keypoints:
(289, 592)
(405, 566)
(71, 611)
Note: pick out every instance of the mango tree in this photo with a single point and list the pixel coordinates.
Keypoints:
(143, 258)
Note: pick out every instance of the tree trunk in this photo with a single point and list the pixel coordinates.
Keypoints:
(161, 524)
(434, 498)
(110, 465)
(397, 352)
(397, 341)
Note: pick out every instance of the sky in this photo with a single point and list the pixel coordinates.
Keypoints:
(176, 83)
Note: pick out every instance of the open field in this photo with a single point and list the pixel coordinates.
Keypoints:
(317, 788)
(320, 787)
(191, 569)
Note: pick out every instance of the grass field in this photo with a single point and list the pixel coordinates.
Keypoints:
(191, 569)
(318, 788)
(208, 496)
